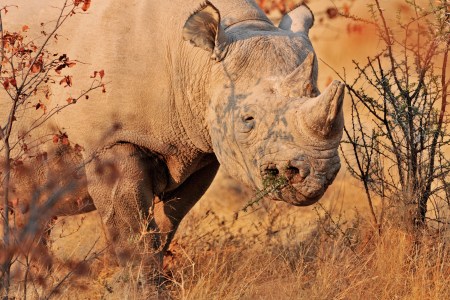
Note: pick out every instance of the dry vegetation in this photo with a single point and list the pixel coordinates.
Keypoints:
(270, 251)
(332, 262)
(268, 254)
(273, 251)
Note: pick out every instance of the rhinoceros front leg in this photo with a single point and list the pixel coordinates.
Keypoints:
(171, 209)
(122, 185)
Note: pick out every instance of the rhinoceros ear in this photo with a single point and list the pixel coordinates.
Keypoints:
(299, 20)
(203, 30)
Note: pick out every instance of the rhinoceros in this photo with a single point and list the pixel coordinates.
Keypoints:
(191, 85)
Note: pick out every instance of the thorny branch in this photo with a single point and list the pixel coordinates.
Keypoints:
(24, 69)
(408, 128)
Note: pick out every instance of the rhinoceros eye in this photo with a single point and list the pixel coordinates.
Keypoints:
(248, 123)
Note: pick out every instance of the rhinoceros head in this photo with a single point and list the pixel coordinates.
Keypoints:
(270, 126)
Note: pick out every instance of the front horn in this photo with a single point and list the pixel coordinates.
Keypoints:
(323, 115)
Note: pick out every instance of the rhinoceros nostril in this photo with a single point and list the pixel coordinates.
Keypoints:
(271, 170)
(292, 171)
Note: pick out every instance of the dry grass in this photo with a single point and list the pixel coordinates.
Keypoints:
(274, 251)
(354, 263)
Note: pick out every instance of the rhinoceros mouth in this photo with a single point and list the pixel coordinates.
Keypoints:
(292, 184)
(294, 196)
(293, 189)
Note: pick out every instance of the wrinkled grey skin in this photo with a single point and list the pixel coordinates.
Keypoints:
(192, 85)
(267, 120)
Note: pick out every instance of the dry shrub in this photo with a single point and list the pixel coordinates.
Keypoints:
(339, 260)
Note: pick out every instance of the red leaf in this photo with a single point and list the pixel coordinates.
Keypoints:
(86, 5)
(346, 9)
(78, 148)
(6, 84)
(40, 105)
(25, 28)
(13, 82)
(55, 139)
(59, 68)
(35, 68)
(332, 12)
(67, 80)
(354, 28)
(101, 73)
